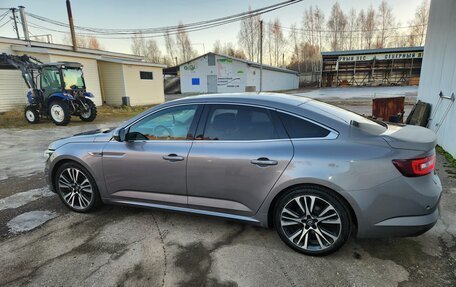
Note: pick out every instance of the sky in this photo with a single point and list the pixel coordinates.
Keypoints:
(155, 13)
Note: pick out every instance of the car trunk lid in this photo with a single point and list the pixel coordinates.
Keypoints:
(410, 137)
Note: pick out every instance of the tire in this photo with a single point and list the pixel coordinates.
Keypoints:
(80, 195)
(323, 232)
(59, 111)
(31, 115)
(91, 114)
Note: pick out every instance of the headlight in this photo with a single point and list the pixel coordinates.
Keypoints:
(48, 153)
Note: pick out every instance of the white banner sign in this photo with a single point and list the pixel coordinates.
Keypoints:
(384, 56)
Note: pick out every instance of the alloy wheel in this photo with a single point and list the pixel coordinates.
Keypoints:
(310, 223)
(75, 188)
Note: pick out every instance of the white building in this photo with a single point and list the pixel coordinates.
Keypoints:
(438, 74)
(108, 75)
(214, 73)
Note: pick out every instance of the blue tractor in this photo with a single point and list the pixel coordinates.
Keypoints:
(56, 90)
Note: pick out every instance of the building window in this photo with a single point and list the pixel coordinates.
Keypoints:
(146, 75)
(211, 60)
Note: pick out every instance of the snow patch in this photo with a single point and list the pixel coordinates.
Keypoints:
(29, 220)
(22, 198)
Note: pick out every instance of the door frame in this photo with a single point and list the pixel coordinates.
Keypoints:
(207, 83)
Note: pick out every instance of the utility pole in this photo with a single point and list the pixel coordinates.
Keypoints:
(70, 20)
(261, 55)
(24, 24)
(13, 10)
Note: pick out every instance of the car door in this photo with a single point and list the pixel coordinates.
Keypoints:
(151, 163)
(239, 153)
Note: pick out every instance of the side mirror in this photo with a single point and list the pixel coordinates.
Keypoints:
(120, 135)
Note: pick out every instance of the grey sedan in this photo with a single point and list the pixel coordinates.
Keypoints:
(314, 172)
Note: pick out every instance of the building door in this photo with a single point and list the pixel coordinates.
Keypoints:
(212, 83)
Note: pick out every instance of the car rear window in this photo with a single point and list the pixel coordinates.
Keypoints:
(300, 128)
(351, 118)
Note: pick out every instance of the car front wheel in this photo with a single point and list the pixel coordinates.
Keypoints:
(311, 220)
(76, 187)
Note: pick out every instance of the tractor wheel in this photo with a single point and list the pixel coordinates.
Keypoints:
(31, 115)
(60, 112)
(91, 114)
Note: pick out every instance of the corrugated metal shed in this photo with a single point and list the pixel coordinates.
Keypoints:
(439, 72)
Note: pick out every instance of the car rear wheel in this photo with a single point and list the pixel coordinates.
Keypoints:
(60, 112)
(311, 220)
(76, 188)
(31, 115)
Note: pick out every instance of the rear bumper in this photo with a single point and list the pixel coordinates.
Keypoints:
(401, 207)
(404, 226)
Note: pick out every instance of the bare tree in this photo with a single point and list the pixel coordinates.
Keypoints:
(170, 45)
(137, 44)
(319, 23)
(186, 51)
(368, 28)
(294, 40)
(228, 49)
(352, 26)
(249, 35)
(270, 41)
(278, 42)
(417, 33)
(93, 43)
(83, 41)
(386, 22)
(361, 20)
(308, 25)
(147, 49)
(337, 23)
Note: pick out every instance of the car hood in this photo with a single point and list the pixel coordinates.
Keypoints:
(97, 135)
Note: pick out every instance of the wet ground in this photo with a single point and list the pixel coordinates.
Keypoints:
(44, 244)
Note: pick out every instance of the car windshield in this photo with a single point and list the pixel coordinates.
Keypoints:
(73, 79)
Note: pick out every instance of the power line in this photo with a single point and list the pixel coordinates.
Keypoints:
(352, 31)
(5, 23)
(161, 30)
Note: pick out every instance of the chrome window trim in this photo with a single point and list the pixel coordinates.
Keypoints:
(333, 134)
(151, 113)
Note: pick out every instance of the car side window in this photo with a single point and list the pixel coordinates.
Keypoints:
(169, 124)
(300, 128)
(237, 122)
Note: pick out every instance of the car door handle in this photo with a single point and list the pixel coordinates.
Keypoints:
(262, 161)
(173, 157)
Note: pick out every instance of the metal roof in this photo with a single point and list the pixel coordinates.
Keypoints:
(66, 50)
(63, 64)
(374, 51)
(250, 63)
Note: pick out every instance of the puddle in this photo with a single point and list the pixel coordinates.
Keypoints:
(29, 220)
(22, 198)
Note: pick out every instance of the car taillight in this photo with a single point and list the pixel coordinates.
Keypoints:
(415, 167)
